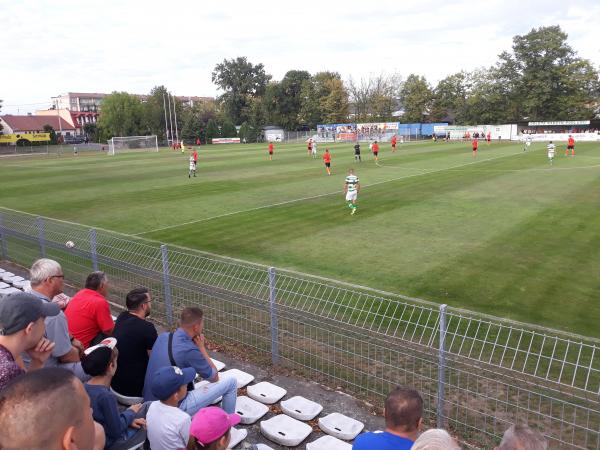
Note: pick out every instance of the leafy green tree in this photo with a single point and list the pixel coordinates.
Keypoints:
(122, 115)
(376, 98)
(240, 80)
(228, 129)
(310, 110)
(154, 112)
(450, 98)
(416, 97)
(190, 129)
(550, 80)
(212, 131)
(91, 131)
(333, 97)
(289, 98)
(53, 135)
(1, 111)
(245, 132)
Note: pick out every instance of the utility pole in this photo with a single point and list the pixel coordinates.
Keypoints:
(170, 116)
(175, 111)
(166, 125)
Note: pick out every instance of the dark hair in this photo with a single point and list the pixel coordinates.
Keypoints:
(136, 297)
(97, 362)
(191, 315)
(403, 409)
(193, 443)
(94, 280)
(28, 399)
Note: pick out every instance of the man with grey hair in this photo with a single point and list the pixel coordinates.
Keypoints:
(88, 312)
(521, 437)
(47, 280)
(435, 439)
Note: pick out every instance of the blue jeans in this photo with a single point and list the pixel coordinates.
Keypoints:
(206, 395)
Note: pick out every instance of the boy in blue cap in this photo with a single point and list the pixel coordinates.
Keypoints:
(169, 426)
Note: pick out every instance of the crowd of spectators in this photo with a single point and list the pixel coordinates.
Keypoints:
(61, 372)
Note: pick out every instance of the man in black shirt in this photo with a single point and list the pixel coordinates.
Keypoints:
(357, 152)
(135, 338)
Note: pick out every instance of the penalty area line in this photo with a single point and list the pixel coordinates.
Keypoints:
(312, 197)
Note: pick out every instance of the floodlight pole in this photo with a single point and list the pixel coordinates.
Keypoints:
(175, 112)
(58, 115)
(170, 116)
(166, 125)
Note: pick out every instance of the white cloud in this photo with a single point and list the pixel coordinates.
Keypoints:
(101, 46)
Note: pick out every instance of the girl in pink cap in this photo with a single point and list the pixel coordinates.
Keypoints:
(211, 429)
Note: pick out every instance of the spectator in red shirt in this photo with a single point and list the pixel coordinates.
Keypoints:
(88, 312)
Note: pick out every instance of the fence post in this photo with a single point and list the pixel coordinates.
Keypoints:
(441, 368)
(93, 250)
(3, 238)
(167, 285)
(273, 311)
(41, 236)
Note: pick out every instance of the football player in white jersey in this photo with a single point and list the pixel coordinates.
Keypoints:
(551, 150)
(351, 189)
(192, 167)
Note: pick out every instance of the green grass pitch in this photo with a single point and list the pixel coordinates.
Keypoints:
(503, 233)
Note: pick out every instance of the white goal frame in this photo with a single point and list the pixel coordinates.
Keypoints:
(127, 143)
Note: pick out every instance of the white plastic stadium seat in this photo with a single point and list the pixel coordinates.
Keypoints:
(14, 279)
(284, 430)
(2, 270)
(202, 383)
(218, 364)
(23, 284)
(125, 400)
(340, 426)
(263, 447)
(328, 443)
(6, 275)
(266, 392)
(301, 408)
(237, 436)
(249, 410)
(4, 285)
(242, 378)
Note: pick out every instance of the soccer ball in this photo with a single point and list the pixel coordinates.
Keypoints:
(69, 244)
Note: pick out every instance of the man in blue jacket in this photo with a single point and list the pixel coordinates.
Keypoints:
(185, 348)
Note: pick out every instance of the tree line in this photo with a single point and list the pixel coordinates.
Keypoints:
(540, 78)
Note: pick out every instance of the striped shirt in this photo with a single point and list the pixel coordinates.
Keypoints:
(351, 182)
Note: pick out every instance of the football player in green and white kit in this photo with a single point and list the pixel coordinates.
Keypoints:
(351, 189)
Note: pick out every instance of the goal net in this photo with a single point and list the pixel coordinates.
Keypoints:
(132, 143)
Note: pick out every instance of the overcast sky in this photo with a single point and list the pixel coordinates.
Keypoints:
(53, 47)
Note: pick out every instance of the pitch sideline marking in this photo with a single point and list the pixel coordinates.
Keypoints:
(312, 197)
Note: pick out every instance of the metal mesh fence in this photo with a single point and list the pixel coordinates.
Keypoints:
(477, 374)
